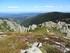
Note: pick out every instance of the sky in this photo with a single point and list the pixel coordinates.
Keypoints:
(34, 6)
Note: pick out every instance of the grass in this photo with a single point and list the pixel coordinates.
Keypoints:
(44, 51)
(43, 30)
(12, 43)
(9, 50)
(3, 38)
(17, 40)
(39, 30)
(49, 49)
(54, 30)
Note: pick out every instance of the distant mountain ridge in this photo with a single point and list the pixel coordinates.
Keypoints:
(51, 16)
(16, 15)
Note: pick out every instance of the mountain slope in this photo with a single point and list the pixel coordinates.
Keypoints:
(51, 16)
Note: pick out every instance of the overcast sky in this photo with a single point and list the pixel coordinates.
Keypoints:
(34, 5)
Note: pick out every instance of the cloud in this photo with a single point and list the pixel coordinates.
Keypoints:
(47, 8)
(44, 6)
(13, 7)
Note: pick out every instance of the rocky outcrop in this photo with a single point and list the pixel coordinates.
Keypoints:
(33, 49)
(32, 27)
(11, 26)
(48, 24)
(62, 26)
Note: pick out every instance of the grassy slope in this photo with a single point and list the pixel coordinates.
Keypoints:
(17, 39)
(40, 30)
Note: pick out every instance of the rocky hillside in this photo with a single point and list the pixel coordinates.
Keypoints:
(10, 26)
(41, 36)
(47, 37)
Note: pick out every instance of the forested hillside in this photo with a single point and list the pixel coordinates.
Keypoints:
(51, 16)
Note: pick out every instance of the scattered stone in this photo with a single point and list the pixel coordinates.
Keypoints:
(33, 49)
